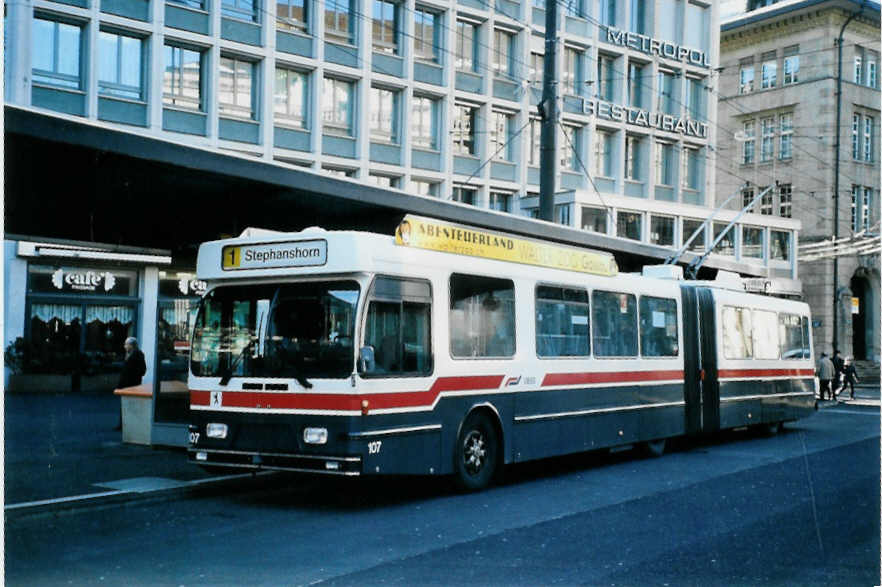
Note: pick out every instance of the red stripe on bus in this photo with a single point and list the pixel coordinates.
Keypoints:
(610, 377)
(348, 402)
(760, 373)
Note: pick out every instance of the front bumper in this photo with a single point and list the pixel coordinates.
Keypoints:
(329, 465)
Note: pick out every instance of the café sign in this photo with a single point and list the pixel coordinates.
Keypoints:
(645, 118)
(84, 280)
(663, 49)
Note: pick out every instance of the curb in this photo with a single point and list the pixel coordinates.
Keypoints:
(78, 503)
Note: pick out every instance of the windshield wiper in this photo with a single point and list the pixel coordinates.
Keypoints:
(225, 379)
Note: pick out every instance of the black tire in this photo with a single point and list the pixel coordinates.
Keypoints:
(654, 448)
(476, 455)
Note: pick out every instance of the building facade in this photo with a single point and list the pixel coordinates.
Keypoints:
(778, 107)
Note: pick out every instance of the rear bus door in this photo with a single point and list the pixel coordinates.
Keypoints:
(701, 384)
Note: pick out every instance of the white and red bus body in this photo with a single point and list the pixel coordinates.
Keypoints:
(413, 420)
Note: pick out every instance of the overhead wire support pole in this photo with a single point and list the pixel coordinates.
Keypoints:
(672, 260)
(694, 266)
(548, 110)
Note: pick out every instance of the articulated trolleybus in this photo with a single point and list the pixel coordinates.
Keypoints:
(451, 350)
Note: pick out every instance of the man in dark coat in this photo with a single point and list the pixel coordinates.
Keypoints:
(133, 370)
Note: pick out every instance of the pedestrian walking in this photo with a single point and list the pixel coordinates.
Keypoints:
(133, 370)
(839, 368)
(849, 376)
(825, 375)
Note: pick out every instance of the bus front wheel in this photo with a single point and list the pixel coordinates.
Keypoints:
(477, 452)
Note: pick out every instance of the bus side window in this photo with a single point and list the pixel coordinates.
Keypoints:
(737, 333)
(399, 331)
(482, 316)
(658, 327)
(615, 324)
(561, 322)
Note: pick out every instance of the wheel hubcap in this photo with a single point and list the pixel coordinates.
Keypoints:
(474, 452)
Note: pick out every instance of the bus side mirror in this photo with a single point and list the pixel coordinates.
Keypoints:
(366, 360)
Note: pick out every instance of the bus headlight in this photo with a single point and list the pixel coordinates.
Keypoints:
(215, 430)
(315, 435)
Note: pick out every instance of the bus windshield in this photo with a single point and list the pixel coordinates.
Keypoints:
(288, 330)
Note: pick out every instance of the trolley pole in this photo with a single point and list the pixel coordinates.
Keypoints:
(548, 110)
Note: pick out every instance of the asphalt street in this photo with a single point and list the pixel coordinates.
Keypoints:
(799, 508)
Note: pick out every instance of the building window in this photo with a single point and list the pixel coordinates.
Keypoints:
(500, 201)
(537, 68)
(746, 84)
(463, 195)
(664, 164)
(291, 102)
(197, 4)
(292, 15)
(243, 9)
(690, 175)
(855, 196)
(182, 81)
(385, 181)
(425, 35)
(464, 129)
(865, 208)
(562, 214)
(594, 220)
(571, 152)
(426, 188)
(767, 146)
(695, 98)
(235, 88)
(785, 200)
(120, 66)
(56, 53)
(535, 141)
(694, 229)
(635, 84)
(503, 53)
(572, 7)
(466, 46)
(638, 16)
(603, 153)
(666, 93)
(338, 103)
(766, 203)
(791, 65)
(385, 27)
(868, 138)
(697, 26)
(752, 242)
(606, 78)
(632, 158)
(572, 71)
(779, 245)
(785, 149)
(339, 21)
(608, 12)
(749, 144)
(661, 230)
(858, 69)
(500, 135)
(726, 244)
(746, 197)
(770, 74)
(383, 116)
(871, 74)
(856, 136)
(424, 122)
(629, 225)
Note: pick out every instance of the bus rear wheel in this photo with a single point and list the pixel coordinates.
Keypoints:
(477, 453)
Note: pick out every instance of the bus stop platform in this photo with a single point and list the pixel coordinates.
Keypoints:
(62, 449)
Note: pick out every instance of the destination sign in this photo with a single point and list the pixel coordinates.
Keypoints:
(309, 253)
(435, 235)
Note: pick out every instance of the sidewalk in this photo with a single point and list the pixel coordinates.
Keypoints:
(64, 445)
(864, 395)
